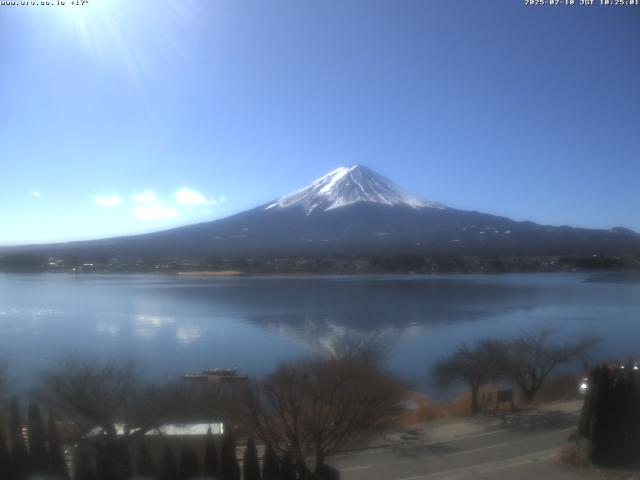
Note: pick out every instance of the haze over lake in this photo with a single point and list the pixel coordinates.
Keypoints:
(175, 325)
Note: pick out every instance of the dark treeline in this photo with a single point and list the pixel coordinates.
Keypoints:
(19, 262)
(31, 450)
(329, 264)
(42, 457)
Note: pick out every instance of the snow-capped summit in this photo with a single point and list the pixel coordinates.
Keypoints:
(346, 186)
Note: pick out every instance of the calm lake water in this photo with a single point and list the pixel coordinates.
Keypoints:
(174, 325)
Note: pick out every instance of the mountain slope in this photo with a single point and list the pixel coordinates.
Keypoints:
(353, 210)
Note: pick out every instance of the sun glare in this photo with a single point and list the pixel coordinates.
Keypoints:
(91, 18)
(125, 32)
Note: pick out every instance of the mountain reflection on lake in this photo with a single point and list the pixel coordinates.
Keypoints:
(173, 325)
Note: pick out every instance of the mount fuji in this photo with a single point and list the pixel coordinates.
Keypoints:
(355, 211)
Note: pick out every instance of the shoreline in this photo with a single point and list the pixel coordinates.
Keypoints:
(601, 276)
(211, 273)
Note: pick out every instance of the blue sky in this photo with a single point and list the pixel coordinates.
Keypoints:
(129, 116)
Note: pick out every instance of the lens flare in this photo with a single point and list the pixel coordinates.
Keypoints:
(132, 34)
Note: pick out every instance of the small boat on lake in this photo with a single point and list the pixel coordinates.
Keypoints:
(216, 374)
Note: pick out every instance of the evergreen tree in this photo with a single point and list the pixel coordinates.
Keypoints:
(5, 458)
(611, 417)
(107, 461)
(168, 468)
(251, 467)
(188, 463)
(601, 432)
(211, 467)
(325, 472)
(83, 468)
(19, 453)
(38, 456)
(270, 464)
(145, 467)
(229, 467)
(57, 462)
(287, 470)
(123, 459)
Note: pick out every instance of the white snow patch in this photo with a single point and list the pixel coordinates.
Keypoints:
(346, 186)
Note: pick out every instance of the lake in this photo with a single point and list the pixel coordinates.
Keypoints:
(174, 325)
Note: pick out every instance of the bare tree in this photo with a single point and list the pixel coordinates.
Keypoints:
(113, 396)
(89, 392)
(533, 356)
(94, 393)
(473, 366)
(317, 407)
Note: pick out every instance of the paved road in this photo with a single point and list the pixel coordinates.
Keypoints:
(525, 448)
